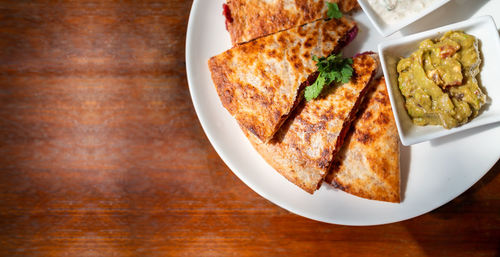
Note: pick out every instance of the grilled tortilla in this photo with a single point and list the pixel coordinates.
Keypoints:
(368, 163)
(306, 144)
(250, 19)
(260, 82)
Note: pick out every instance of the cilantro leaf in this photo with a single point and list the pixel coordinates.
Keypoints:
(315, 89)
(331, 69)
(346, 73)
(333, 11)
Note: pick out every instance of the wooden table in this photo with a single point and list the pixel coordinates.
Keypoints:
(101, 153)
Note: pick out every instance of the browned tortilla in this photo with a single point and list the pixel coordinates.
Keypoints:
(250, 19)
(259, 83)
(306, 144)
(368, 163)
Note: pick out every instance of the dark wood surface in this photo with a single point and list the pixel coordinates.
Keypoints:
(101, 153)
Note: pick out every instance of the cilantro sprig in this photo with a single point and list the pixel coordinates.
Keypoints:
(333, 11)
(333, 68)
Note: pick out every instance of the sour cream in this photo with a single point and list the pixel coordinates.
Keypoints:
(393, 11)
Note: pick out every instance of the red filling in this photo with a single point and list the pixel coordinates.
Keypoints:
(227, 13)
(348, 37)
(367, 52)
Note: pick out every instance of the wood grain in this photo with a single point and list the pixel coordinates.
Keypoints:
(101, 153)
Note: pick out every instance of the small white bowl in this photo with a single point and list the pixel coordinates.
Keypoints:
(484, 29)
(387, 29)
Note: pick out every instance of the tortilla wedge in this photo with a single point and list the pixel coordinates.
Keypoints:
(368, 163)
(306, 144)
(260, 82)
(250, 19)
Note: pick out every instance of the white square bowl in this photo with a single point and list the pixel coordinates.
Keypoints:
(391, 51)
(387, 29)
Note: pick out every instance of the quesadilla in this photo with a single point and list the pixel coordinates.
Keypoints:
(260, 82)
(368, 163)
(250, 19)
(304, 147)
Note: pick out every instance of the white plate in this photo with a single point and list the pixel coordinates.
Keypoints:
(485, 30)
(432, 173)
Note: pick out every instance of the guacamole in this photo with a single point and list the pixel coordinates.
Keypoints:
(438, 81)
